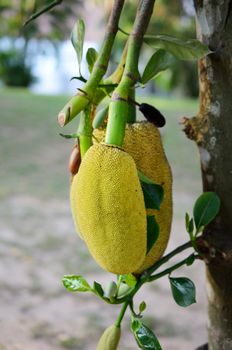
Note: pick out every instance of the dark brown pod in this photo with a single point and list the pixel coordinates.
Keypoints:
(152, 115)
(75, 159)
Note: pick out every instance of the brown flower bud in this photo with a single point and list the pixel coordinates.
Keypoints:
(75, 159)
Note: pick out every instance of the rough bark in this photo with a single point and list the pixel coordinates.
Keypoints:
(211, 129)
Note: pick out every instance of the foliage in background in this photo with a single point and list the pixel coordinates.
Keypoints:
(55, 26)
(13, 69)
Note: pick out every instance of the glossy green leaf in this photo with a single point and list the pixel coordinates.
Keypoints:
(77, 39)
(91, 57)
(142, 306)
(152, 231)
(74, 283)
(98, 288)
(100, 117)
(183, 291)
(153, 193)
(190, 260)
(190, 49)
(206, 209)
(159, 61)
(144, 336)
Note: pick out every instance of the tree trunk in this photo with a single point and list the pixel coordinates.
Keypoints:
(211, 129)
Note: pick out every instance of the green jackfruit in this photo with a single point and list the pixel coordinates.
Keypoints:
(143, 142)
(108, 207)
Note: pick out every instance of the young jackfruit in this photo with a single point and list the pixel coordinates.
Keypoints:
(110, 338)
(108, 207)
(143, 142)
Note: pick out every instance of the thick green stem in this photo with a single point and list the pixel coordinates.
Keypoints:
(81, 100)
(85, 131)
(118, 110)
(121, 314)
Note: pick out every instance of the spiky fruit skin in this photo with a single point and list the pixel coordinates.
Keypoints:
(108, 207)
(109, 339)
(143, 142)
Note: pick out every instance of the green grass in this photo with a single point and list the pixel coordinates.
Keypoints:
(34, 157)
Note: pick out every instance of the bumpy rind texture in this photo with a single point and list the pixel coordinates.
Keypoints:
(109, 339)
(143, 142)
(108, 207)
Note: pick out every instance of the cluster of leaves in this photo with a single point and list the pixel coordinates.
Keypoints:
(167, 49)
(13, 69)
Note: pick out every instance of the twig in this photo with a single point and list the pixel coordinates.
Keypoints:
(80, 102)
(118, 109)
(166, 258)
(172, 268)
(43, 10)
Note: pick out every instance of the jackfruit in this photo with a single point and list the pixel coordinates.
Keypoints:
(108, 207)
(110, 338)
(143, 142)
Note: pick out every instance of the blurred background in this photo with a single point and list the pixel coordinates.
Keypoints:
(38, 243)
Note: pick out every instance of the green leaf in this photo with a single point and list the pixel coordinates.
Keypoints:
(144, 336)
(183, 291)
(189, 224)
(159, 61)
(152, 231)
(69, 136)
(142, 307)
(190, 260)
(129, 279)
(153, 193)
(91, 57)
(75, 283)
(190, 49)
(98, 289)
(100, 117)
(206, 209)
(77, 39)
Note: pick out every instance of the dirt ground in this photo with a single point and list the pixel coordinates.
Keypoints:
(38, 243)
(38, 246)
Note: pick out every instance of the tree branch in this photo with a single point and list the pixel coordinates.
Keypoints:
(43, 10)
(118, 108)
(81, 100)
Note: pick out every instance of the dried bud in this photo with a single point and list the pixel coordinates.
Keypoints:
(75, 159)
(152, 115)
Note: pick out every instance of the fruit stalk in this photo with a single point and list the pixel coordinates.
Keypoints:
(82, 99)
(118, 110)
(121, 314)
(85, 130)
